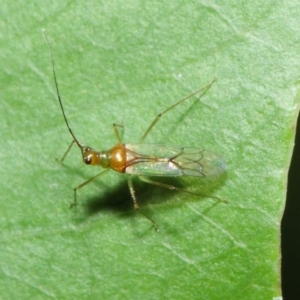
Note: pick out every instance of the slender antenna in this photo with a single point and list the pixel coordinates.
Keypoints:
(58, 94)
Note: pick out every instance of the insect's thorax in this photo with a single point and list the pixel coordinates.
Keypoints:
(117, 158)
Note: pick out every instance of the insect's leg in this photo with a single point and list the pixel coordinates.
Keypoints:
(85, 183)
(135, 204)
(171, 187)
(117, 132)
(203, 90)
(66, 153)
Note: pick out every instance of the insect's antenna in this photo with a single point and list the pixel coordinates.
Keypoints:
(58, 94)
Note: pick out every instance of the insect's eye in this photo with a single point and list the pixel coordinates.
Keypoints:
(87, 160)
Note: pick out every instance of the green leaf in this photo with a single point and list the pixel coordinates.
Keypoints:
(125, 62)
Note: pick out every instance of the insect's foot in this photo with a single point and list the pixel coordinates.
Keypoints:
(222, 200)
(59, 160)
(155, 227)
(72, 205)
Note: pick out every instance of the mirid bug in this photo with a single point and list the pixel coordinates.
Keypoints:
(146, 160)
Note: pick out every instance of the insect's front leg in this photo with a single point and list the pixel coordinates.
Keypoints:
(66, 153)
(116, 130)
(85, 183)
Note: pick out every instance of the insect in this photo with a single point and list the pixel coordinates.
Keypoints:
(146, 160)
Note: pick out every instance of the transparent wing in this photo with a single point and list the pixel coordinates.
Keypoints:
(166, 160)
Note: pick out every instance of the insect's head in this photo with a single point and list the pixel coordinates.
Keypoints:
(90, 156)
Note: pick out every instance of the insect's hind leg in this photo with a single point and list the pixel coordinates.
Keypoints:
(158, 117)
(135, 204)
(173, 188)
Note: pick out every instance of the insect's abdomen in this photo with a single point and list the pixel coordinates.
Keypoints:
(166, 160)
